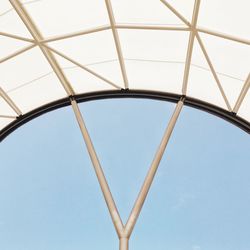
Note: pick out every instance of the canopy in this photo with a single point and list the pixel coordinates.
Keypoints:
(53, 50)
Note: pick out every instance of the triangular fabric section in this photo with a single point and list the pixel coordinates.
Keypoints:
(100, 56)
(232, 63)
(126, 167)
(232, 87)
(81, 80)
(5, 109)
(185, 8)
(5, 121)
(244, 110)
(11, 23)
(143, 12)
(201, 82)
(10, 46)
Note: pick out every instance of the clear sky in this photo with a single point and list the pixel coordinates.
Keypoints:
(200, 199)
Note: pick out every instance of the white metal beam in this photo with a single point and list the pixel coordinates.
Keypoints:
(124, 232)
(36, 34)
(222, 35)
(213, 72)
(150, 27)
(171, 8)
(152, 171)
(16, 53)
(10, 102)
(117, 42)
(190, 46)
(74, 34)
(99, 172)
(242, 95)
(17, 37)
(83, 67)
(8, 116)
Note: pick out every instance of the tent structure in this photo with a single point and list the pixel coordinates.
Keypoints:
(58, 53)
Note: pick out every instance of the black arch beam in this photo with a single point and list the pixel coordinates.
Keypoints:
(191, 102)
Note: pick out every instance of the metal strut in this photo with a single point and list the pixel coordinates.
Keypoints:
(124, 232)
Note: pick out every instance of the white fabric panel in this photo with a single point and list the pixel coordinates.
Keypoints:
(5, 109)
(10, 21)
(38, 93)
(201, 84)
(89, 48)
(154, 58)
(4, 122)
(23, 69)
(154, 44)
(232, 88)
(230, 17)
(143, 12)
(81, 80)
(10, 46)
(229, 57)
(244, 110)
(29, 85)
(232, 62)
(185, 8)
(63, 16)
(96, 51)
(110, 69)
(155, 76)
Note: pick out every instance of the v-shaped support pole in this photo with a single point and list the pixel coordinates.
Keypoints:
(124, 232)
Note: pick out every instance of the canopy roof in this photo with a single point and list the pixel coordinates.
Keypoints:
(52, 50)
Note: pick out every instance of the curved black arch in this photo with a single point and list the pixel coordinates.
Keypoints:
(189, 101)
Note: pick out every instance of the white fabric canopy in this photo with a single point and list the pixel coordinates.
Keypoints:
(51, 49)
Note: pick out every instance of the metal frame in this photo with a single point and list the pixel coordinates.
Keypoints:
(124, 232)
(163, 96)
(117, 42)
(10, 102)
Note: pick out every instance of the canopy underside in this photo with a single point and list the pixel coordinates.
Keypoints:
(51, 50)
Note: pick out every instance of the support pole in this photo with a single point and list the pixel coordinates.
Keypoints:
(124, 232)
(123, 244)
(99, 172)
(151, 173)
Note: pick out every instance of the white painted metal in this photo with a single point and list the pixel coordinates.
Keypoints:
(9, 101)
(124, 232)
(117, 42)
(213, 71)
(36, 34)
(99, 172)
(242, 94)
(190, 46)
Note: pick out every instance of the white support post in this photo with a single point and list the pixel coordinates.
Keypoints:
(99, 172)
(213, 72)
(152, 171)
(117, 42)
(11, 103)
(242, 95)
(124, 232)
(190, 46)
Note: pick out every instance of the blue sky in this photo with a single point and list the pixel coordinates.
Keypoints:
(199, 200)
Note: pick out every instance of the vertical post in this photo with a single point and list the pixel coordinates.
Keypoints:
(123, 244)
(152, 171)
(124, 232)
(99, 172)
